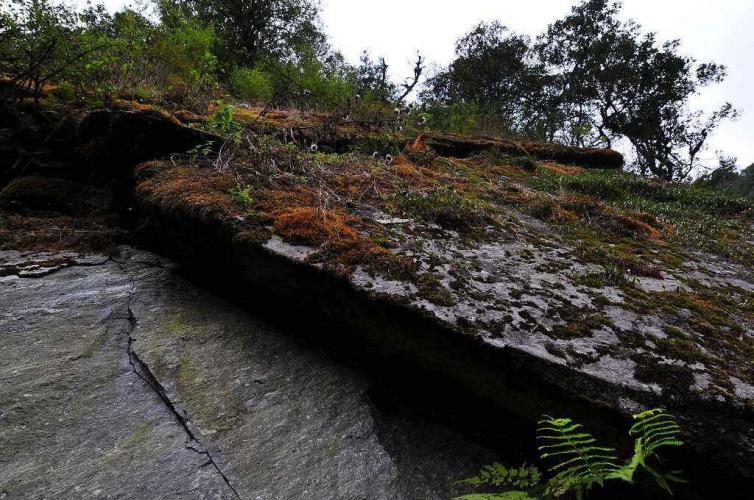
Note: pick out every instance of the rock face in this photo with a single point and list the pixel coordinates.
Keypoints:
(116, 140)
(119, 379)
(461, 147)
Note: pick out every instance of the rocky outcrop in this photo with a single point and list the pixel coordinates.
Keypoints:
(113, 141)
(462, 147)
(120, 379)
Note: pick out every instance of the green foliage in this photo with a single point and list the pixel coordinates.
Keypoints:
(251, 32)
(491, 82)
(148, 61)
(525, 162)
(243, 196)
(508, 495)
(41, 42)
(251, 84)
(223, 122)
(579, 462)
(315, 84)
(726, 178)
(613, 275)
(184, 62)
(461, 117)
(591, 79)
(701, 218)
(498, 475)
(653, 430)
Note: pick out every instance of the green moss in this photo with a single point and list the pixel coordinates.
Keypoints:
(432, 289)
(712, 221)
(679, 345)
(445, 207)
(612, 275)
(140, 435)
(578, 322)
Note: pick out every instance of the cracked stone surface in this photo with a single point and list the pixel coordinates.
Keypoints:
(118, 379)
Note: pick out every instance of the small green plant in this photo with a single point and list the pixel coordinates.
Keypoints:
(612, 275)
(243, 196)
(202, 150)
(579, 462)
(223, 122)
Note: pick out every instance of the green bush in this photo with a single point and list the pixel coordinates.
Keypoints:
(313, 84)
(251, 84)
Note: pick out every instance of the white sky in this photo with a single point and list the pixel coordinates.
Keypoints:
(718, 31)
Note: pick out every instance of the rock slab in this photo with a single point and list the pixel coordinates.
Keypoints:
(118, 379)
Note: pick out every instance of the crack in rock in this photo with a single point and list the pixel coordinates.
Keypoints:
(142, 370)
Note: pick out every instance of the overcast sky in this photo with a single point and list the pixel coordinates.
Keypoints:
(717, 31)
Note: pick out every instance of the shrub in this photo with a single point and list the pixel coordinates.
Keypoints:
(251, 84)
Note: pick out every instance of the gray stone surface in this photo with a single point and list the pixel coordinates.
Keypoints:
(118, 379)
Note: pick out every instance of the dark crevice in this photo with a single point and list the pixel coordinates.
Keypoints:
(142, 370)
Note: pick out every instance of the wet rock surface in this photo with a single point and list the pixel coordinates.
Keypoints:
(119, 379)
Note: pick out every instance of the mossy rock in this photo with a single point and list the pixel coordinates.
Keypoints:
(42, 193)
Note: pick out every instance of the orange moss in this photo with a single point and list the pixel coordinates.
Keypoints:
(313, 226)
(638, 227)
(562, 169)
(188, 187)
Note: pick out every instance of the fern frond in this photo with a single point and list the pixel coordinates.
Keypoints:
(499, 475)
(579, 462)
(509, 495)
(654, 429)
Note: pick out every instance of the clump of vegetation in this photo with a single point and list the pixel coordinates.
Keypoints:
(445, 207)
(718, 222)
(525, 162)
(224, 122)
(432, 289)
(251, 84)
(579, 462)
(612, 275)
(243, 196)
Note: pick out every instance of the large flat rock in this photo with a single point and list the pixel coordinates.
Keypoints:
(119, 379)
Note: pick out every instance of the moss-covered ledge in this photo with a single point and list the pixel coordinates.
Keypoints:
(531, 327)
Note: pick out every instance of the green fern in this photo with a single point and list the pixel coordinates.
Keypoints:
(579, 462)
(497, 475)
(654, 429)
(508, 495)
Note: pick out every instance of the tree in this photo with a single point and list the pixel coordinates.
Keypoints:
(495, 71)
(251, 30)
(615, 82)
(41, 42)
